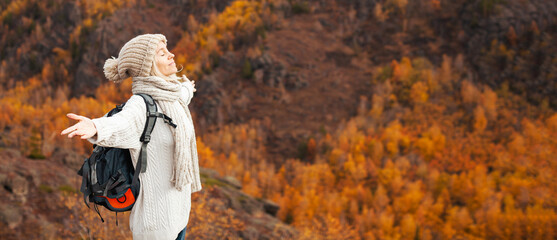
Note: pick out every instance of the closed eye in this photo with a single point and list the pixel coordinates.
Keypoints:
(163, 51)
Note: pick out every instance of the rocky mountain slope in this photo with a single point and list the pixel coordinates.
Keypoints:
(41, 198)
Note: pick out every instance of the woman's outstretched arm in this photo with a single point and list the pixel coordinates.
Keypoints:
(121, 130)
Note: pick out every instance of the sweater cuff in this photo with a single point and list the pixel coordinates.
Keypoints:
(100, 136)
(189, 86)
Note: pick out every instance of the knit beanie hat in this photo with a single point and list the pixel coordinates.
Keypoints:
(135, 58)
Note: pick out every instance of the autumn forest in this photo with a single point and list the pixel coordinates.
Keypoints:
(411, 119)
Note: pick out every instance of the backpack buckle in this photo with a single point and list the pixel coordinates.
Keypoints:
(146, 138)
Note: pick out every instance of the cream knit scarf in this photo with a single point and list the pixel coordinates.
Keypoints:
(167, 96)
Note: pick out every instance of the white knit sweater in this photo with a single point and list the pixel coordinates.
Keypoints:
(160, 211)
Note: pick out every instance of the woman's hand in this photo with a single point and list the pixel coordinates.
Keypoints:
(84, 128)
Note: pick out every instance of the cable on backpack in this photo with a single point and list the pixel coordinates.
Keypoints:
(98, 212)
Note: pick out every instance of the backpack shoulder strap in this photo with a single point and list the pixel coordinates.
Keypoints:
(146, 135)
(151, 117)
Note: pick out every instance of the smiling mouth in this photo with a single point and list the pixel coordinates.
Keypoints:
(171, 63)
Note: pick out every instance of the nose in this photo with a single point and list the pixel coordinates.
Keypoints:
(171, 55)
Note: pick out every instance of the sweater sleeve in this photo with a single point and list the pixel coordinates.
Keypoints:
(123, 129)
(187, 90)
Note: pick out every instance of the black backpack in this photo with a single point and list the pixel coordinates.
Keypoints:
(109, 178)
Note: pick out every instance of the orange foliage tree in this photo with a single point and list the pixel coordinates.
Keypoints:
(451, 164)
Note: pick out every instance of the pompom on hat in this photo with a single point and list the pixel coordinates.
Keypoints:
(135, 58)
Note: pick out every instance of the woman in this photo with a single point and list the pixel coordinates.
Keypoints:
(163, 206)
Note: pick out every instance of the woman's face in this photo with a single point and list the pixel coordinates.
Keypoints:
(165, 60)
